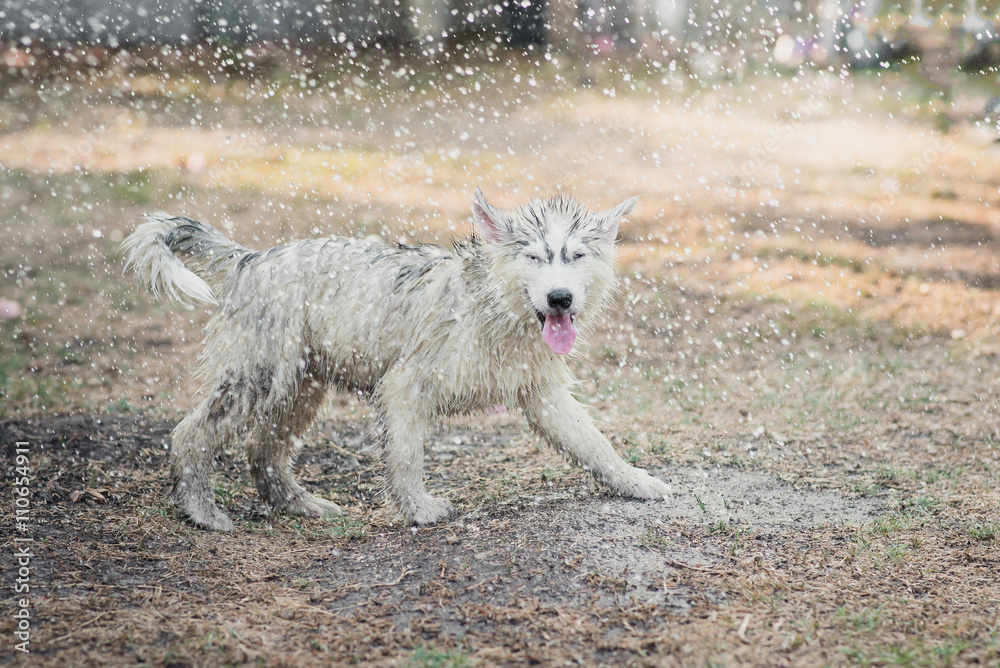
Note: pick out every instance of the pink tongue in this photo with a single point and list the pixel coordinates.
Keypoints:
(559, 332)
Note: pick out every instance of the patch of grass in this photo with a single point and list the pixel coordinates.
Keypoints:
(71, 356)
(892, 555)
(652, 540)
(735, 461)
(162, 509)
(348, 529)
(24, 392)
(859, 619)
(122, 405)
(870, 546)
(227, 494)
(701, 504)
(661, 448)
(844, 419)
(10, 364)
(866, 489)
(324, 528)
(917, 652)
(887, 473)
(920, 503)
(432, 657)
(737, 542)
(814, 258)
(134, 186)
(985, 532)
(945, 474)
(493, 489)
(819, 319)
(891, 523)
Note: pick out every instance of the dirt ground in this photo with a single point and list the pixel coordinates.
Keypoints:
(805, 347)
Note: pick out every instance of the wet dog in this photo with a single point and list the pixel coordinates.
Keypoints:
(422, 331)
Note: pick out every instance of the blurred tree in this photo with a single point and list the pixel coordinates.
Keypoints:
(524, 22)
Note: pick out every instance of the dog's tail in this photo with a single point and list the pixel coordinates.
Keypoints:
(181, 258)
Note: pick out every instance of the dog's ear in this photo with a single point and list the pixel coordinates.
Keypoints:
(611, 218)
(486, 218)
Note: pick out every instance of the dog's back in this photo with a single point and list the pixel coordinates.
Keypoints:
(357, 306)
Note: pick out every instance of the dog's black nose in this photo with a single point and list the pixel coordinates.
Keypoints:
(560, 299)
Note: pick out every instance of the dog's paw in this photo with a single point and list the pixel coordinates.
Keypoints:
(429, 510)
(207, 516)
(308, 505)
(640, 485)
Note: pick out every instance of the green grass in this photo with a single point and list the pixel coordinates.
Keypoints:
(653, 540)
(720, 527)
(432, 657)
(914, 651)
(985, 532)
(860, 619)
(122, 405)
(25, 392)
(943, 475)
(227, 494)
(701, 504)
(867, 489)
(11, 366)
(349, 529)
(888, 524)
(921, 503)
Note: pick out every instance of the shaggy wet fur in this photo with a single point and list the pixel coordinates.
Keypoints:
(422, 331)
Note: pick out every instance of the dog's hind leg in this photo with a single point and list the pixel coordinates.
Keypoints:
(271, 454)
(562, 421)
(194, 444)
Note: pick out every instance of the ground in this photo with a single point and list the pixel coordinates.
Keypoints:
(804, 347)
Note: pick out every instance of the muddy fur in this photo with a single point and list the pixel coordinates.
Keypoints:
(422, 331)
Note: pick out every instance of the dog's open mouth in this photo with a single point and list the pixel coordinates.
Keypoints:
(558, 331)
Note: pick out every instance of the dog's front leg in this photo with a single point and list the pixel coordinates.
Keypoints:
(564, 423)
(404, 421)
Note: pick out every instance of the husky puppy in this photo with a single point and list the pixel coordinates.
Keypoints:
(422, 331)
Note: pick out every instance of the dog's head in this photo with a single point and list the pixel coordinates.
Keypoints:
(558, 254)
